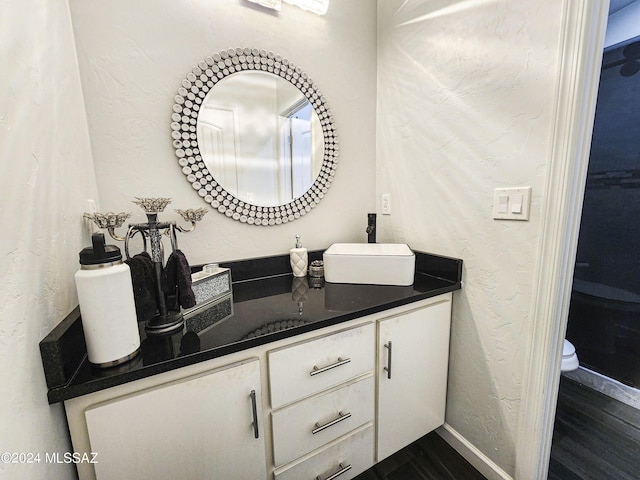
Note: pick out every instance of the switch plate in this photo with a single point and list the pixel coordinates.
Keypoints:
(511, 203)
(386, 203)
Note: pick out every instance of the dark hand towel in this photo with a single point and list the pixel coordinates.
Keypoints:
(144, 286)
(176, 282)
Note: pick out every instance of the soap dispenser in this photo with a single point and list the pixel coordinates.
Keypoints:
(299, 259)
(107, 305)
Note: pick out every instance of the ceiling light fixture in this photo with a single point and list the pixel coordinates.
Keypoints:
(273, 4)
(319, 7)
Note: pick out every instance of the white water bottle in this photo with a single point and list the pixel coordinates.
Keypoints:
(107, 306)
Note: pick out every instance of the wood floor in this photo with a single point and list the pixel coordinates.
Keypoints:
(595, 436)
(429, 458)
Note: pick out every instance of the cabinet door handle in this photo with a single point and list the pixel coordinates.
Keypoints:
(342, 470)
(341, 361)
(254, 409)
(341, 416)
(388, 367)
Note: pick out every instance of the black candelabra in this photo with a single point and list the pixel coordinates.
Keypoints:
(151, 231)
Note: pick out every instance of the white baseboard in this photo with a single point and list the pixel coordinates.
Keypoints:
(475, 457)
(606, 385)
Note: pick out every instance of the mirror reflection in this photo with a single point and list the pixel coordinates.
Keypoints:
(260, 138)
(266, 169)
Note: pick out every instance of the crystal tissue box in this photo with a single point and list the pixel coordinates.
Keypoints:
(214, 313)
(210, 284)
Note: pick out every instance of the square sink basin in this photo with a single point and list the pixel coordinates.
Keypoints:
(369, 263)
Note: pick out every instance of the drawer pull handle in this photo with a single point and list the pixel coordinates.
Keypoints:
(342, 470)
(388, 367)
(341, 417)
(254, 409)
(341, 361)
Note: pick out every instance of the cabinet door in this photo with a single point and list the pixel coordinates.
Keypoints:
(199, 428)
(413, 356)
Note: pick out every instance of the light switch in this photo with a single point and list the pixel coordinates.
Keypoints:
(516, 203)
(511, 203)
(503, 203)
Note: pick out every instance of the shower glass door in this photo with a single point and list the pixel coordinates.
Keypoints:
(604, 316)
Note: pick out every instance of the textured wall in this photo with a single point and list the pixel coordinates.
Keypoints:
(133, 57)
(47, 175)
(465, 104)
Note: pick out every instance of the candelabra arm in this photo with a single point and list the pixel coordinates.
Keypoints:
(186, 230)
(112, 232)
(192, 216)
(110, 221)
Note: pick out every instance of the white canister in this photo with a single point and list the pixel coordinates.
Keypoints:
(107, 305)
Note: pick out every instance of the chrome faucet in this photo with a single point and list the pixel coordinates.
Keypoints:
(371, 228)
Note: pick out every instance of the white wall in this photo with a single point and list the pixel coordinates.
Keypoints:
(133, 57)
(46, 177)
(465, 105)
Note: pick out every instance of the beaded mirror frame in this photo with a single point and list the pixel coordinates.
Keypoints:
(193, 91)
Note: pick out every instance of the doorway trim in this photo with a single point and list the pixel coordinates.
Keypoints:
(583, 26)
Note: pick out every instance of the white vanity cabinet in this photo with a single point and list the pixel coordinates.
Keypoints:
(205, 427)
(323, 404)
(413, 358)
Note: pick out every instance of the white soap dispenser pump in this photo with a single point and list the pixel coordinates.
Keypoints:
(299, 259)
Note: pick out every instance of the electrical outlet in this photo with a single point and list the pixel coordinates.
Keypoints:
(89, 225)
(386, 204)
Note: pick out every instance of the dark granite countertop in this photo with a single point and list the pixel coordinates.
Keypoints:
(267, 304)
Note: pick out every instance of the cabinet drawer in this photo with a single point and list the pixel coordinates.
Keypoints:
(307, 425)
(351, 455)
(306, 368)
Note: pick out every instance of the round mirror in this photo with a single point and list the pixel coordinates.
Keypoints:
(254, 136)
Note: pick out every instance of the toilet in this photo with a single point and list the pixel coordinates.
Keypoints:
(569, 357)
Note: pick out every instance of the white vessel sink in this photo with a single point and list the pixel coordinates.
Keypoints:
(369, 263)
